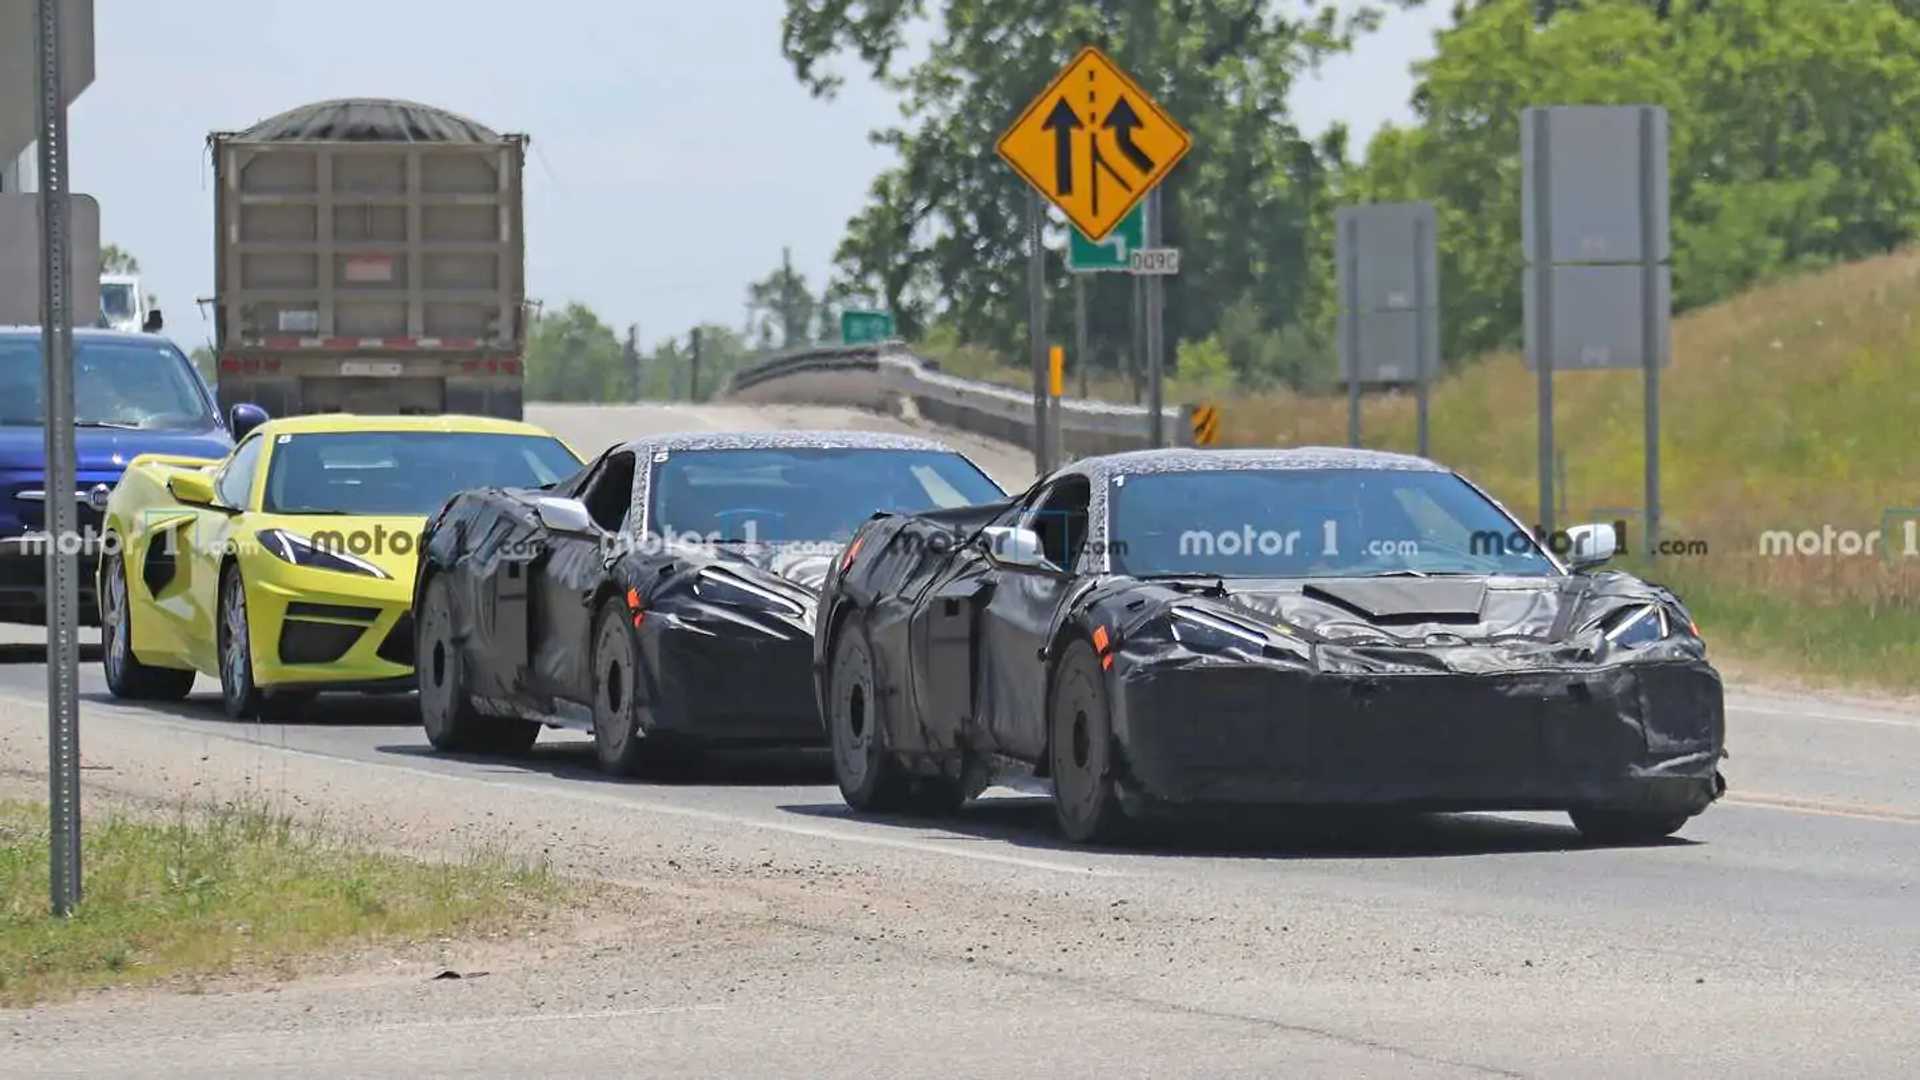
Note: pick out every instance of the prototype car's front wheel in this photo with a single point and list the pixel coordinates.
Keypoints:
(617, 739)
(243, 698)
(1086, 801)
(127, 677)
(446, 706)
(1626, 826)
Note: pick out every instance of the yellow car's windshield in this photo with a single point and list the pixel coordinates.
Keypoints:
(403, 472)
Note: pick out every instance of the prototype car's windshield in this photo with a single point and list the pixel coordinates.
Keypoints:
(133, 384)
(804, 493)
(403, 472)
(1313, 523)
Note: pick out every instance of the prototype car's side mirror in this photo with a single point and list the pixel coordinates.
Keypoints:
(1591, 545)
(192, 488)
(243, 418)
(1011, 545)
(564, 515)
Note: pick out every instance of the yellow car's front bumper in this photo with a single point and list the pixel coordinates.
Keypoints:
(327, 629)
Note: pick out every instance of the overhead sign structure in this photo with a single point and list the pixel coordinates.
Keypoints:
(1093, 143)
(20, 61)
(1084, 256)
(858, 327)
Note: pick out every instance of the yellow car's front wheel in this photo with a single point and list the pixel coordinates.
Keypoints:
(243, 698)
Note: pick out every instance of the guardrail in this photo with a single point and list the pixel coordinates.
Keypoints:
(887, 377)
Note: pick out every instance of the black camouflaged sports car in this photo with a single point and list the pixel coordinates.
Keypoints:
(664, 592)
(1312, 626)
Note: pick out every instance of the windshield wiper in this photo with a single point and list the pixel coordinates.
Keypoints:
(1207, 584)
(118, 425)
(309, 511)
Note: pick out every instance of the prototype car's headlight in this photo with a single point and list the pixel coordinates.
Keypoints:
(1643, 625)
(720, 587)
(1206, 632)
(300, 551)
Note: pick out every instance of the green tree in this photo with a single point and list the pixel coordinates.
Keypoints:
(780, 308)
(573, 356)
(115, 259)
(943, 234)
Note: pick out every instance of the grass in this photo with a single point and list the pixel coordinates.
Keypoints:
(232, 888)
(1793, 406)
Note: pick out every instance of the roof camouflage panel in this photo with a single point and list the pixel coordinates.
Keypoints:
(369, 120)
(774, 440)
(1303, 457)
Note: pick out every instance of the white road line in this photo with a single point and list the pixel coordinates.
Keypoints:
(565, 791)
(1809, 714)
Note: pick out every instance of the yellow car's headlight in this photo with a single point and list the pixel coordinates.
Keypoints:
(299, 550)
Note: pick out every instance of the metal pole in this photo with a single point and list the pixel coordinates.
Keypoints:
(1652, 322)
(1423, 373)
(1350, 325)
(1080, 356)
(1136, 337)
(62, 565)
(1037, 331)
(1543, 309)
(1156, 331)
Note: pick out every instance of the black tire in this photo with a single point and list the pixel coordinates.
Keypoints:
(869, 777)
(618, 741)
(1626, 826)
(1085, 800)
(447, 713)
(127, 677)
(239, 694)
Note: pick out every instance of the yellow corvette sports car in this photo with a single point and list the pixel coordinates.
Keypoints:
(287, 567)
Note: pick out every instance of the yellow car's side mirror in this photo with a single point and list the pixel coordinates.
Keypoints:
(194, 488)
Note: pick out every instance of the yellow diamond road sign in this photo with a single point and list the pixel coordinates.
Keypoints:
(1094, 143)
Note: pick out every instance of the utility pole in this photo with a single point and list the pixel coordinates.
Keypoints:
(793, 330)
(631, 354)
(693, 366)
(1156, 328)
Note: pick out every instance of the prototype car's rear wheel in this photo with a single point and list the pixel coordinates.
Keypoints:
(870, 779)
(127, 677)
(243, 698)
(1626, 826)
(446, 705)
(1085, 799)
(617, 739)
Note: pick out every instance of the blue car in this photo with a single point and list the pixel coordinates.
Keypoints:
(133, 394)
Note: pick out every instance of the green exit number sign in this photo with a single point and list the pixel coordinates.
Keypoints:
(1086, 257)
(858, 327)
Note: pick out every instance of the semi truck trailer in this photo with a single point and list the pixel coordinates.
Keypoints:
(369, 258)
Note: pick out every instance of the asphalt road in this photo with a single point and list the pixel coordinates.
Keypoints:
(760, 929)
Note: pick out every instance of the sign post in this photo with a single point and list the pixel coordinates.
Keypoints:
(62, 560)
(1095, 145)
(1386, 266)
(1598, 287)
(1037, 331)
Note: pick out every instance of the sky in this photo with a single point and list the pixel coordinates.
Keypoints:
(673, 153)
